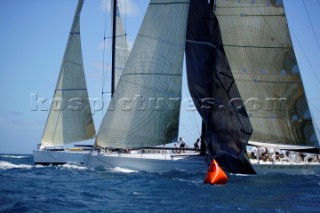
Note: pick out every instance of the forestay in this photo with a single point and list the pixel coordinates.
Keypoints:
(145, 107)
(70, 118)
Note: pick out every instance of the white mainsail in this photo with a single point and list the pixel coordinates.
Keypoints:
(70, 118)
(257, 42)
(145, 107)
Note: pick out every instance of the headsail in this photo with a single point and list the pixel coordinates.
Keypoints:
(213, 89)
(257, 43)
(145, 107)
(70, 118)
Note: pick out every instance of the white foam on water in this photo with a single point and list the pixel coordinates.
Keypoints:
(4, 165)
(136, 193)
(73, 166)
(243, 175)
(13, 156)
(40, 166)
(123, 170)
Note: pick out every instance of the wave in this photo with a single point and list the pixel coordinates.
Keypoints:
(4, 165)
(13, 156)
(241, 175)
(137, 193)
(193, 181)
(72, 166)
(123, 170)
(40, 166)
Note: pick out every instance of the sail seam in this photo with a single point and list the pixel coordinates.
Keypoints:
(70, 89)
(262, 47)
(251, 15)
(141, 73)
(265, 81)
(163, 41)
(121, 35)
(241, 7)
(72, 62)
(119, 48)
(226, 75)
(202, 43)
(230, 86)
(245, 132)
(165, 3)
(254, 15)
(120, 68)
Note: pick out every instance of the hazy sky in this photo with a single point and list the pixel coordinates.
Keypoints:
(33, 37)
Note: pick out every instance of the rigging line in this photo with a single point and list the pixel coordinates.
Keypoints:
(305, 55)
(103, 54)
(317, 127)
(315, 106)
(139, 6)
(315, 121)
(314, 32)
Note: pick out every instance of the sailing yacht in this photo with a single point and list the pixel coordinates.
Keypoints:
(240, 51)
(258, 46)
(72, 122)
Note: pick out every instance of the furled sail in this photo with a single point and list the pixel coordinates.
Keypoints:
(70, 118)
(122, 47)
(145, 107)
(214, 91)
(257, 43)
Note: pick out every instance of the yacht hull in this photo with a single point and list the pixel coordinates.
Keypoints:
(48, 157)
(287, 168)
(154, 163)
(158, 163)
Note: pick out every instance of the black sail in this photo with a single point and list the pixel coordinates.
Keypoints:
(214, 91)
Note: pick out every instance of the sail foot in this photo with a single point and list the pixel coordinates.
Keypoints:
(228, 149)
(232, 164)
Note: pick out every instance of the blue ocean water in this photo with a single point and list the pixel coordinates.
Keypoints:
(73, 188)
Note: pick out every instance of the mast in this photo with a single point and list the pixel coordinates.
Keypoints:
(114, 28)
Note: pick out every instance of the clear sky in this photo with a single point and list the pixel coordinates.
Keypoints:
(33, 37)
